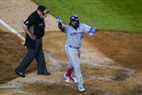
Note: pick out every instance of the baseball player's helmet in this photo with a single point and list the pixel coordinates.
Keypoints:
(74, 21)
(74, 18)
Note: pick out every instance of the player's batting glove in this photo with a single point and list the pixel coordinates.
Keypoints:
(58, 19)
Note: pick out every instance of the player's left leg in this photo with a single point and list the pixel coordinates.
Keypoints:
(75, 57)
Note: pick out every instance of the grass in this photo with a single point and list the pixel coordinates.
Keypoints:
(104, 14)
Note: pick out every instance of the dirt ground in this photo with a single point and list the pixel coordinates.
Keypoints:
(98, 80)
(124, 48)
(21, 10)
(11, 52)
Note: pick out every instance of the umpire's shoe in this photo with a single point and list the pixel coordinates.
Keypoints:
(20, 74)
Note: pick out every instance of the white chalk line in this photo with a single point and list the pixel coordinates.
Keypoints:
(10, 29)
(128, 70)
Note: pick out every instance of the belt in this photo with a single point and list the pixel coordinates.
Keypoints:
(73, 47)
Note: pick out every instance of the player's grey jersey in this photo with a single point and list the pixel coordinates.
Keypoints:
(74, 37)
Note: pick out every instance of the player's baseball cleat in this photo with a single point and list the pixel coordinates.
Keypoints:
(69, 79)
(74, 79)
(66, 78)
(81, 88)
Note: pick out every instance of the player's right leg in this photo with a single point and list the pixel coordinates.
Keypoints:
(69, 71)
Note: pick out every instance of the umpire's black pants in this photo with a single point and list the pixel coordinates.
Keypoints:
(36, 53)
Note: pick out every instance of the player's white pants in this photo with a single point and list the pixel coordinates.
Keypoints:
(73, 56)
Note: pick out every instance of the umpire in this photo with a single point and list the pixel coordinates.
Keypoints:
(34, 27)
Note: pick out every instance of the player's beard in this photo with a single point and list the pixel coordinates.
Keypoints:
(75, 24)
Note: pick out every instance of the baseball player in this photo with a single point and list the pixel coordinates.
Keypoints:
(74, 32)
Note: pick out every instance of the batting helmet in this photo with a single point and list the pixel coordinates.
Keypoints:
(74, 18)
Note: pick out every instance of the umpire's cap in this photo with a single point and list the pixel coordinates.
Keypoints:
(43, 9)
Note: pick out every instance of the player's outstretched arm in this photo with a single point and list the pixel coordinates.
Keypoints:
(89, 30)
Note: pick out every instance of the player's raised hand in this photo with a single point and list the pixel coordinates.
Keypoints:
(58, 19)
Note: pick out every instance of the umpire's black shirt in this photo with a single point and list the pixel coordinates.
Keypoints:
(36, 23)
